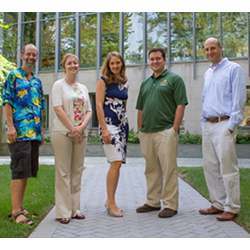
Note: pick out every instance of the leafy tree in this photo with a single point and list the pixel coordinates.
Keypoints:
(181, 36)
(5, 67)
(235, 34)
(207, 25)
(47, 50)
(110, 33)
(88, 32)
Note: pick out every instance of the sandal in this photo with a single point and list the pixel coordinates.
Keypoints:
(63, 220)
(25, 220)
(25, 212)
(78, 216)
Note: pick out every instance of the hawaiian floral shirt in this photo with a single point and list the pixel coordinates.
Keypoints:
(27, 100)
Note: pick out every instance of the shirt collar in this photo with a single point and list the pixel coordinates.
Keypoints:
(24, 73)
(220, 63)
(163, 73)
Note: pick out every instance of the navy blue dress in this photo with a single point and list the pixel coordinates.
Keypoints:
(116, 119)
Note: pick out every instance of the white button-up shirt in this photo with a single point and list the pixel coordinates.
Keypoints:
(224, 92)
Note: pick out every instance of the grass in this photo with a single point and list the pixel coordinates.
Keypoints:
(39, 199)
(194, 176)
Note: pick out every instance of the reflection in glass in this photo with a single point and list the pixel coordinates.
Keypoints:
(207, 25)
(29, 33)
(157, 30)
(181, 36)
(67, 35)
(235, 34)
(29, 28)
(88, 40)
(29, 16)
(10, 36)
(133, 38)
(48, 33)
(110, 33)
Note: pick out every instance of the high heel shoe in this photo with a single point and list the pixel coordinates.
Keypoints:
(113, 213)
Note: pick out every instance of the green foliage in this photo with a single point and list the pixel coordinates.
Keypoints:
(195, 177)
(234, 30)
(133, 137)
(39, 199)
(188, 138)
(243, 139)
(47, 139)
(94, 139)
(5, 67)
(184, 138)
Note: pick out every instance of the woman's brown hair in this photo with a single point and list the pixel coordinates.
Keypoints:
(65, 57)
(107, 73)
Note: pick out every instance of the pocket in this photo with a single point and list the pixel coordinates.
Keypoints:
(173, 131)
(227, 132)
(20, 155)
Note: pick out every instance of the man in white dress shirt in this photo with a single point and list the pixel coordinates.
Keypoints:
(223, 100)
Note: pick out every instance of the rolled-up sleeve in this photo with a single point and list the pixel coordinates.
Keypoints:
(238, 81)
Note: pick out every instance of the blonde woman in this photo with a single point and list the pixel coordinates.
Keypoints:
(72, 109)
(111, 96)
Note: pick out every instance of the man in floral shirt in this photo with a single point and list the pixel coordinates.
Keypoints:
(23, 105)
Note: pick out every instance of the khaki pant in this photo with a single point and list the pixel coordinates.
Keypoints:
(69, 160)
(220, 166)
(160, 150)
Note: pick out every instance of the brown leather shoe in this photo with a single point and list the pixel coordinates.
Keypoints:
(146, 208)
(225, 216)
(167, 212)
(210, 210)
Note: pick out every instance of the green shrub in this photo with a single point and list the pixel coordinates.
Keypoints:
(5, 67)
(133, 137)
(184, 138)
(243, 139)
(188, 138)
(94, 139)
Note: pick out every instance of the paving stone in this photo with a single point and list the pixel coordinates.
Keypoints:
(188, 223)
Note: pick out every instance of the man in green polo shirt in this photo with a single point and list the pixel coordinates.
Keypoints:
(160, 104)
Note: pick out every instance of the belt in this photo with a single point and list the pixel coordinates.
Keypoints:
(214, 119)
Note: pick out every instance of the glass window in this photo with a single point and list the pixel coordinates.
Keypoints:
(235, 34)
(246, 121)
(29, 16)
(45, 117)
(94, 121)
(181, 36)
(29, 28)
(110, 33)
(47, 51)
(67, 35)
(9, 35)
(88, 40)
(207, 25)
(67, 14)
(133, 38)
(157, 30)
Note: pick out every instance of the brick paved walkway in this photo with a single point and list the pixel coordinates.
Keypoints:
(131, 192)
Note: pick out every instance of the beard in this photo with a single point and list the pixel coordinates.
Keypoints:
(30, 64)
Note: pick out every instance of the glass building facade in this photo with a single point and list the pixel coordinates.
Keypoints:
(92, 35)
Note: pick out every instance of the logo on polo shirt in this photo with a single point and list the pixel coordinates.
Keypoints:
(164, 82)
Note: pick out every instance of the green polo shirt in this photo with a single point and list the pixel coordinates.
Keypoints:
(158, 99)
